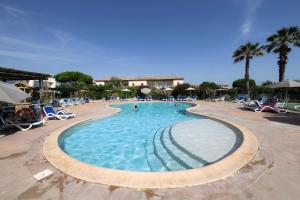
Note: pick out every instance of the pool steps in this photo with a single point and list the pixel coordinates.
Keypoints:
(160, 152)
(164, 154)
(178, 154)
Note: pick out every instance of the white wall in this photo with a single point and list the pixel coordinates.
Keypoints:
(136, 83)
(99, 83)
(177, 82)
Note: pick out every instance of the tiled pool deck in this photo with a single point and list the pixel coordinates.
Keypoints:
(274, 173)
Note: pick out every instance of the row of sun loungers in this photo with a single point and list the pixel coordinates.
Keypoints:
(180, 98)
(11, 119)
(65, 102)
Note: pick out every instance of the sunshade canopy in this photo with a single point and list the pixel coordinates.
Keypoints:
(168, 89)
(286, 84)
(145, 90)
(11, 94)
(125, 90)
(190, 89)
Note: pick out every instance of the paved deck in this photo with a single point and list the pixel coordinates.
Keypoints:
(273, 174)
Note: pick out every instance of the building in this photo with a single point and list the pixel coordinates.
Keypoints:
(151, 81)
(224, 86)
(50, 83)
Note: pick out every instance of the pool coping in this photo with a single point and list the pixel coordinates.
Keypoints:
(173, 179)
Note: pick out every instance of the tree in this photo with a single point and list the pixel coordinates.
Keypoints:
(72, 77)
(72, 81)
(208, 85)
(247, 52)
(180, 89)
(240, 84)
(280, 42)
(116, 82)
(266, 83)
(208, 89)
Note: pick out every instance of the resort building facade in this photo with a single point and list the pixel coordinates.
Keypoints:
(151, 81)
(50, 83)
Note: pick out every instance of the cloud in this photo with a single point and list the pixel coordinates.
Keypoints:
(24, 40)
(13, 10)
(62, 36)
(251, 7)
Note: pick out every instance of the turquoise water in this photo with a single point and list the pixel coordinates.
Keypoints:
(145, 140)
(119, 141)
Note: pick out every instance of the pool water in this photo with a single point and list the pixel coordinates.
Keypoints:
(130, 140)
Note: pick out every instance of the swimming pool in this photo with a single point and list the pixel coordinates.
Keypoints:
(144, 140)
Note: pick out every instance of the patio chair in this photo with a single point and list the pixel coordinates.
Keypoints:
(50, 113)
(165, 98)
(172, 98)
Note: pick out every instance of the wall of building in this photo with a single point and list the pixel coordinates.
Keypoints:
(99, 82)
(177, 82)
(50, 83)
(136, 83)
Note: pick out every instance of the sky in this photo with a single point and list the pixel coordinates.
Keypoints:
(193, 39)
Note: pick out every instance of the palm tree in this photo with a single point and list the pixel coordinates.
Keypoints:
(280, 43)
(247, 52)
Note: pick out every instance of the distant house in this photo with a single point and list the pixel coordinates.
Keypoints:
(224, 86)
(151, 81)
(50, 83)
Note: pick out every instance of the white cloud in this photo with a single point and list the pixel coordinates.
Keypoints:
(251, 7)
(13, 10)
(24, 39)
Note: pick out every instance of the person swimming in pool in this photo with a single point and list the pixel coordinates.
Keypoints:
(136, 108)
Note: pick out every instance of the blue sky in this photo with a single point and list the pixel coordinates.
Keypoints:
(190, 38)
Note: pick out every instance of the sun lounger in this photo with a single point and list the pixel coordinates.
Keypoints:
(149, 98)
(241, 99)
(50, 113)
(186, 98)
(165, 99)
(113, 98)
(269, 105)
(194, 98)
(23, 126)
(270, 108)
(260, 101)
(24, 119)
(179, 98)
(172, 98)
(222, 98)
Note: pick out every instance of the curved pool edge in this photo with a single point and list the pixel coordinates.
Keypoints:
(219, 170)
